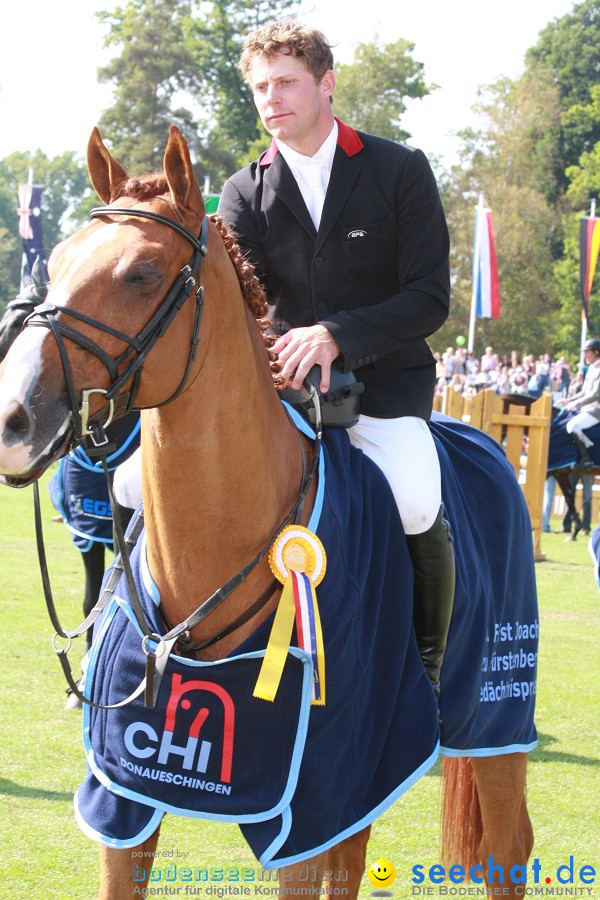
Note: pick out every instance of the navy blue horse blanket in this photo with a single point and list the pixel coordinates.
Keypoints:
(299, 778)
(79, 492)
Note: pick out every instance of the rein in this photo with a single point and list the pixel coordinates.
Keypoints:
(44, 316)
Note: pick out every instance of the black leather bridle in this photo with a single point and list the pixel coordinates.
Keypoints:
(128, 365)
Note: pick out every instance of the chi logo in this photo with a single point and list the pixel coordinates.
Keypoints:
(142, 741)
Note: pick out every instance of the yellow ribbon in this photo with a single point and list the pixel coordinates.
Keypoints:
(277, 648)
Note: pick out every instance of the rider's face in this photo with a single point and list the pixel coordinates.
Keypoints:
(292, 105)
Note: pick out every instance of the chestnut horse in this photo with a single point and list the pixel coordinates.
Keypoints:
(223, 463)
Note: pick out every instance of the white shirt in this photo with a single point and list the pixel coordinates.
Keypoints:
(312, 173)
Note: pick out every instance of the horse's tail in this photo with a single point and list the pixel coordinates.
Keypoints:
(461, 814)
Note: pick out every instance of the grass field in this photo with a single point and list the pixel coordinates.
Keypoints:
(45, 855)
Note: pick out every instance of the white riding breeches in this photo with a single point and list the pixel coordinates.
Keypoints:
(404, 450)
(578, 423)
(127, 481)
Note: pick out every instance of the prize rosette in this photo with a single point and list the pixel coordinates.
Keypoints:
(297, 559)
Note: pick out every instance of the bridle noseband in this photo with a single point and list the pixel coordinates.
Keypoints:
(128, 365)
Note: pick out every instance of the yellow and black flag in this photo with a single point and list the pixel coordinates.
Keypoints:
(589, 245)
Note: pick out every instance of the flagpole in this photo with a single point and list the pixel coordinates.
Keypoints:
(584, 324)
(476, 249)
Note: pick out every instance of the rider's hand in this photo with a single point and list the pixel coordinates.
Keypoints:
(302, 348)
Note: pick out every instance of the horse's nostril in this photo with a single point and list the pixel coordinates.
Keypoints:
(18, 424)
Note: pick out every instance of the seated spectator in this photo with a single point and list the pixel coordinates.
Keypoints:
(440, 387)
(502, 384)
(440, 368)
(538, 381)
(460, 358)
(471, 362)
(482, 380)
(561, 377)
(457, 382)
(518, 381)
(489, 360)
(448, 360)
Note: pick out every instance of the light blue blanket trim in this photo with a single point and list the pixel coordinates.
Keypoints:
(489, 751)
(279, 841)
(114, 843)
(81, 534)
(83, 460)
(297, 754)
(368, 819)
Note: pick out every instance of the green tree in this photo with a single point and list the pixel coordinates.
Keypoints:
(153, 64)
(507, 162)
(230, 125)
(372, 90)
(535, 159)
(176, 62)
(569, 49)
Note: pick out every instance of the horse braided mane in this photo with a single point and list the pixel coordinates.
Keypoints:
(253, 293)
(149, 186)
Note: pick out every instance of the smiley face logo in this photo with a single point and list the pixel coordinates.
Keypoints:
(382, 873)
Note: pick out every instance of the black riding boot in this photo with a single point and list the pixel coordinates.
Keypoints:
(432, 556)
(586, 460)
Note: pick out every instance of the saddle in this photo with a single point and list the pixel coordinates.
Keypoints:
(340, 406)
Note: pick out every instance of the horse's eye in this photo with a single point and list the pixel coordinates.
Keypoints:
(146, 275)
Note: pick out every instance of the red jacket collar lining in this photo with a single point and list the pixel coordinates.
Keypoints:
(347, 139)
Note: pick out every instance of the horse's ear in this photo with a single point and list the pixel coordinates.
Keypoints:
(106, 174)
(182, 181)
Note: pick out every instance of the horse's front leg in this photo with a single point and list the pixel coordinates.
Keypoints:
(118, 868)
(346, 864)
(507, 832)
(307, 875)
(341, 867)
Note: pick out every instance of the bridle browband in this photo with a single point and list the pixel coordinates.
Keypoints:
(180, 290)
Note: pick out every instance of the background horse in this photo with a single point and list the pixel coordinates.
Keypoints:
(564, 462)
(227, 471)
(79, 492)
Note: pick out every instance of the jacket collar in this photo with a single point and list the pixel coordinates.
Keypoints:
(348, 140)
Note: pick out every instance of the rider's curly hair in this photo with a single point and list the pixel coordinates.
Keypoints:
(288, 38)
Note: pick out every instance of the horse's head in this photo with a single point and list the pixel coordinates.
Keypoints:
(115, 287)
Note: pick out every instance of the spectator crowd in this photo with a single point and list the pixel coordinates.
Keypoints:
(467, 373)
